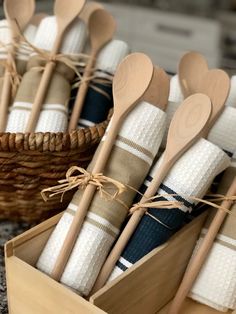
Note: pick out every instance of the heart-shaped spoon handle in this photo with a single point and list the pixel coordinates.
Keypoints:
(195, 77)
(66, 12)
(18, 14)
(102, 27)
(131, 80)
(186, 127)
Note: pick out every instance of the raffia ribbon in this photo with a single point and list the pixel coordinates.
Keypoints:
(75, 62)
(10, 67)
(94, 79)
(84, 178)
(81, 181)
(149, 203)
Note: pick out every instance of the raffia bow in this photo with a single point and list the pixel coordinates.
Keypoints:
(94, 79)
(81, 181)
(99, 180)
(11, 70)
(75, 62)
(212, 202)
(151, 203)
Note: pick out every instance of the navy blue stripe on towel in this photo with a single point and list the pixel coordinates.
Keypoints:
(150, 233)
(96, 105)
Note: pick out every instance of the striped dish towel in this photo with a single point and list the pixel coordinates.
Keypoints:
(54, 113)
(97, 104)
(215, 285)
(131, 158)
(192, 175)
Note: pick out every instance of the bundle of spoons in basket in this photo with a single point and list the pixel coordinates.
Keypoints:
(57, 71)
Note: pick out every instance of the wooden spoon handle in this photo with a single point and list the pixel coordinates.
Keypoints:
(40, 96)
(127, 232)
(6, 90)
(73, 232)
(85, 202)
(83, 89)
(5, 100)
(201, 255)
(182, 134)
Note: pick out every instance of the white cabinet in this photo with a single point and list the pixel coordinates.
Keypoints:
(167, 36)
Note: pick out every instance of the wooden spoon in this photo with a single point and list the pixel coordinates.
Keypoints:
(37, 18)
(192, 67)
(18, 14)
(200, 256)
(195, 77)
(158, 91)
(215, 84)
(131, 80)
(88, 10)
(101, 29)
(66, 12)
(186, 128)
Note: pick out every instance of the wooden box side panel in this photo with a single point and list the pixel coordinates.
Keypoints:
(29, 245)
(152, 282)
(31, 292)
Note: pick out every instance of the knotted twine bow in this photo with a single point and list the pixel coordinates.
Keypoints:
(75, 62)
(81, 181)
(10, 68)
(99, 180)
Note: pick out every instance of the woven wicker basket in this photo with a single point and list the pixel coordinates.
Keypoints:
(32, 162)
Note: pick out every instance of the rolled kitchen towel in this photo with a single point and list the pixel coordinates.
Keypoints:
(222, 134)
(99, 98)
(54, 113)
(137, 143)
(22, 53)
(231, 101)
(175, 90)
(192, 175)
(215, 285)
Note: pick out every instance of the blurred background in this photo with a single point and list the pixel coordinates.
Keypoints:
(165, 29)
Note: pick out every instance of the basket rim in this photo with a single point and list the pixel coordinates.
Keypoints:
(53, 142)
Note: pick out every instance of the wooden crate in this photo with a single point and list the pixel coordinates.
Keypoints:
(145, 288)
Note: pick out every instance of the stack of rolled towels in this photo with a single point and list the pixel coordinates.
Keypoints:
(58, 103)
(138, 143)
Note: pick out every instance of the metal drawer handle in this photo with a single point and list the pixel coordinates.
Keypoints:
(174, 30)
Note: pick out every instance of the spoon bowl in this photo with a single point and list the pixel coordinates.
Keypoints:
(216, 85)
(158, 91)
(88, 10)
(192, 67)
(102, 27)
(131, 80)
(66, 12)
(20, 11)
